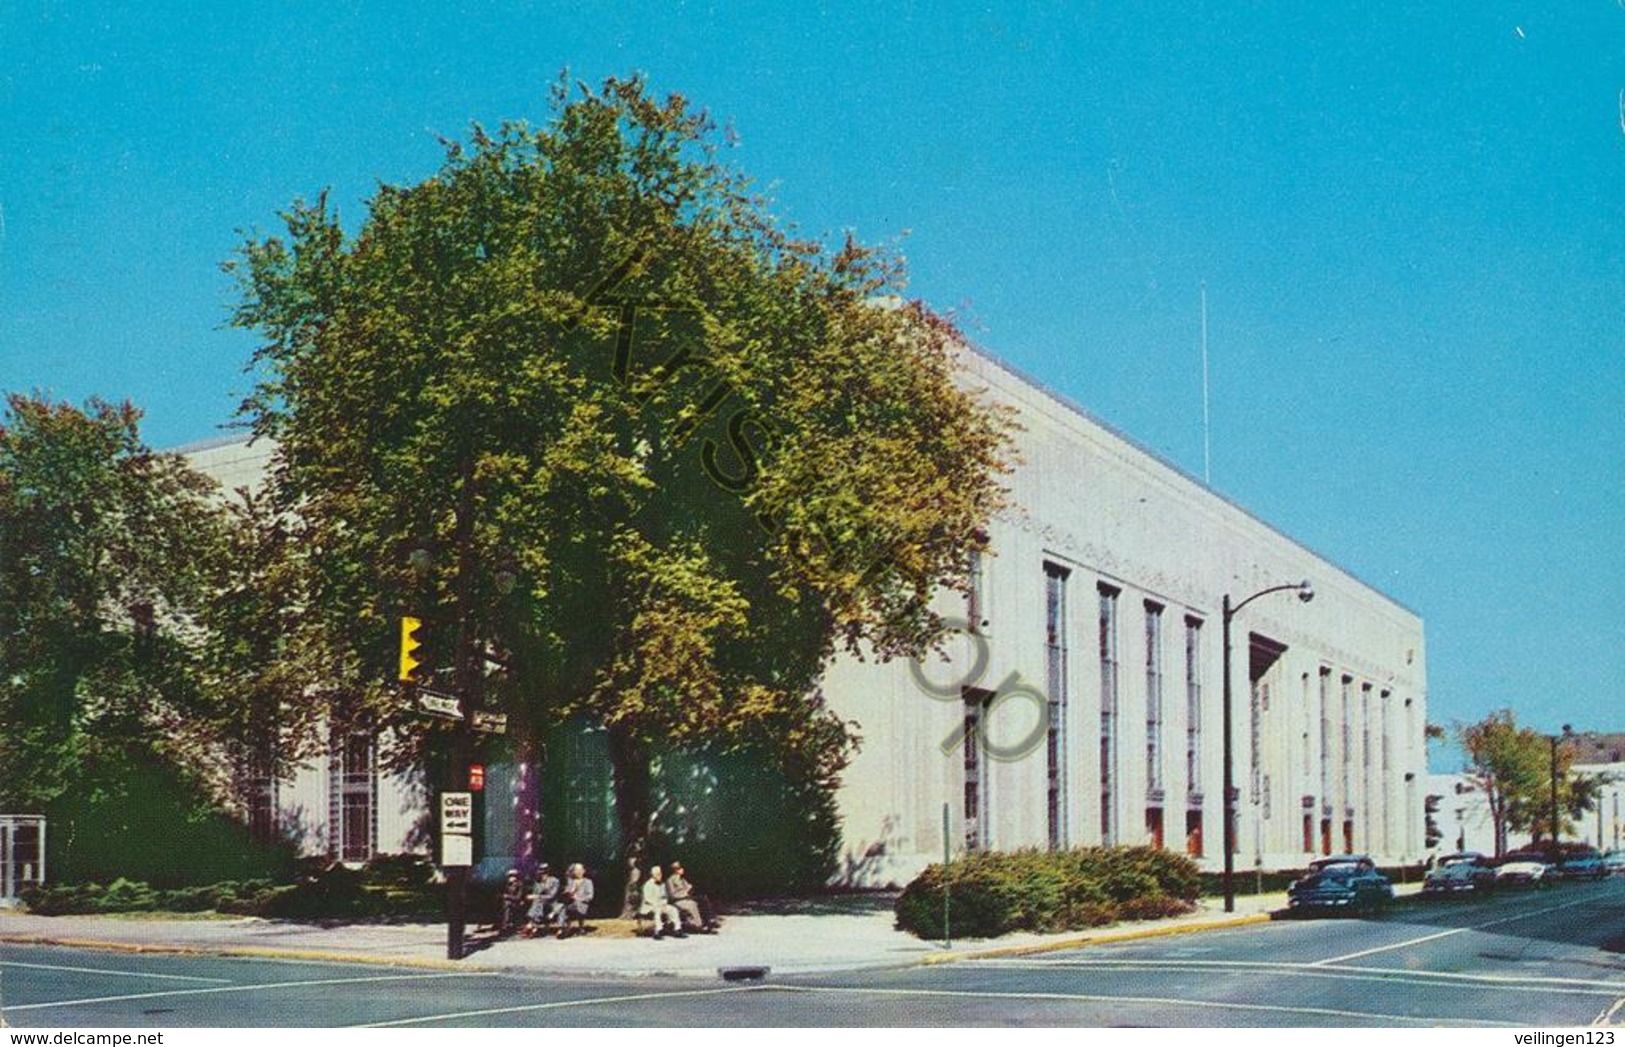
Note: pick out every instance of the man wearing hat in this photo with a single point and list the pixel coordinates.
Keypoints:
(543, 900)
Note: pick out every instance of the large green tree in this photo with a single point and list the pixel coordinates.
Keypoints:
(578, 402)
(104, 564)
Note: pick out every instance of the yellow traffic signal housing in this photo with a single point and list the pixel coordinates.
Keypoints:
(409, 645)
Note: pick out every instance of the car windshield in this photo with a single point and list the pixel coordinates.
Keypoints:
(1341, 871)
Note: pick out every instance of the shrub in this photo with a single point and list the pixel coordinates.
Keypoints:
(995, 893)
(398, 887)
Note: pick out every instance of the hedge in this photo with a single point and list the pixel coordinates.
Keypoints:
(996, 892)
(391, 888)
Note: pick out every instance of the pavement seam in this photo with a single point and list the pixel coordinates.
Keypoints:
(1104, 938)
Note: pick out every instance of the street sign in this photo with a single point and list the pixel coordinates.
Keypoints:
(456, 850)
(491, 723)
(456, 814)
(434, 703)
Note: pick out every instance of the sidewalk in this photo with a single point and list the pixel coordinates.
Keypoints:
(815, 935)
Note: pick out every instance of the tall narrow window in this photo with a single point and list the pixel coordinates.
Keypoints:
(1326, 737)
(1055, 677)
(1305, 744)
(1347, 702)
(1325, 761)
(976, 600)
(1366, 810)
(356, 831)
(1153, 701)
(977, 836)
(257, 785)
(1387, 794)
(1193, 737)
(1193, 706)
(1259, 692)
(1108, 714)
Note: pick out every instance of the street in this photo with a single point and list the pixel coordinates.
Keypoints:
(1525, 958)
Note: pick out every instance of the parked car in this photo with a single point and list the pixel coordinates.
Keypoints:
(1614, 862)
(1457, 873)
(1528, 868)
(1581, 862)
(1343, 883)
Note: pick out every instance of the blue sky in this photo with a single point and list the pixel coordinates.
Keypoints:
(1411, 225)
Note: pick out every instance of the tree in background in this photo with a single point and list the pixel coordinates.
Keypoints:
(1508, 764)
(634, 454)
(104, 554)
(1512, 767)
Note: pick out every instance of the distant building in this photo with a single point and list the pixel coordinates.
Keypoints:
(1087, 680)
(1463, 814)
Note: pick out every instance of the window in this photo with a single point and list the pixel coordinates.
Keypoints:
(1153, 699)
(1365, 758)
(977, 835)
(353, 780)
(1308, 755)
(1108, 712)
(257, 786)
(1348, 753)
(1193, 707)
(1325, 736)
(975, 600)
(1387, 796)
(1055, 676)
(1259, 699)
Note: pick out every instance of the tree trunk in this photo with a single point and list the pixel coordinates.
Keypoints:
(629, 758)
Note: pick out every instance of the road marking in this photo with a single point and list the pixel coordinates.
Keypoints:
(1509, 983)
(1453, 931)
(236, 988)
(103, 970)
(1607, 1016)
(1160, 1001)
(560, 1004)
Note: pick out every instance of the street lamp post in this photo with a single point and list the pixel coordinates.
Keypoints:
(1568, 732)
(1306, 592)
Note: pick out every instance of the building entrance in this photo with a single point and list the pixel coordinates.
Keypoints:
(22, 853)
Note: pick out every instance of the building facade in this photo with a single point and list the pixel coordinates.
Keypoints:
(1089, 674)
(1080, 700)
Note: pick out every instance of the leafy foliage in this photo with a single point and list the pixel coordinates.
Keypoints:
(1512, 767)
(391, 887)
(105, 550)
(578, 403)
(996, 892)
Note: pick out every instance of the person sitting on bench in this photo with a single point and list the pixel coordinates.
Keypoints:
(656, 904)
(577, 897)
(693, 908)
(544, 901)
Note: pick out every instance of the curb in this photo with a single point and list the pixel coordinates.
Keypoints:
(1104, 938)
(244, 951)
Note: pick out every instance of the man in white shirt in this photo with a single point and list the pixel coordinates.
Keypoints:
(656, 904)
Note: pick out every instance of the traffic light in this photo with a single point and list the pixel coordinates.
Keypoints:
(409, 645)
(476, 777)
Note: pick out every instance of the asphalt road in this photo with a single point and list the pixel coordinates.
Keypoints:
(1530, 958)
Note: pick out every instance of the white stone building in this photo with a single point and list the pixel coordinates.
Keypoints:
(1104, 596)
(1089, 680)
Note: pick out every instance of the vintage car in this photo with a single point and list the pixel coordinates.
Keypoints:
(1344, 883)
(1457, 873)
(1581, 862)
(1529, 868)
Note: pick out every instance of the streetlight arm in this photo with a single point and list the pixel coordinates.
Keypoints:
(1302, 587)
